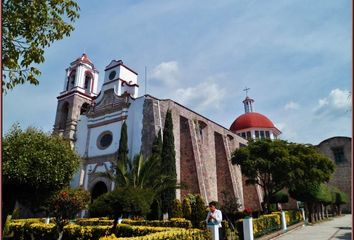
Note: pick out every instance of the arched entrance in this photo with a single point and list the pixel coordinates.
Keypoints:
(99, 189)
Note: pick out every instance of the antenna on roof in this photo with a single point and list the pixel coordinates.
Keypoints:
(145, 79)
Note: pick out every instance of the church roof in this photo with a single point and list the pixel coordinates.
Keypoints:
(251, 120)
(83, 59)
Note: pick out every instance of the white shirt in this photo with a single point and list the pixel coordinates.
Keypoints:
(217, 215)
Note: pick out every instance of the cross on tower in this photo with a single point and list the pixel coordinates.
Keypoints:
(246, 90)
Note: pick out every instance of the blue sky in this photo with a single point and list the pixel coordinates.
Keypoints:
(295, 55)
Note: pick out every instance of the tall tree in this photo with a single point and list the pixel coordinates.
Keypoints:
(123, 146)
(168, 162)
(35, 165)
(157, 145)
(309, 170)
(265, 163)
(28, 27)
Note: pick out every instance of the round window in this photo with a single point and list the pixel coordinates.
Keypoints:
(112, 75)
(104, 140)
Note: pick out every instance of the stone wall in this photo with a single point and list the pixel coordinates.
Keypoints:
(203, 149)
(341, 178)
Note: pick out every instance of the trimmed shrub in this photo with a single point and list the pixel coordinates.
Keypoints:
(172, 234)
(199, 211)
(187, 208)
(176, 211)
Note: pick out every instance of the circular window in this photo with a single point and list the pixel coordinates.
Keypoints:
(104, 140)
(112, 75)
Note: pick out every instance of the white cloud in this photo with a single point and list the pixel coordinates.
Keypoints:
(167, 73)
(337, 103)
(206, 95)
(291, 106)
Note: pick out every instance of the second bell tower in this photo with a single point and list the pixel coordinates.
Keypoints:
(80, 88)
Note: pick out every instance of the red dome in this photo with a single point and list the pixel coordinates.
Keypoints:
(250, 120)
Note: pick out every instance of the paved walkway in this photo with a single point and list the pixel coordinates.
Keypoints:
(340, 228)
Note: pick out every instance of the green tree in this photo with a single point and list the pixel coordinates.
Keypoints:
(198, 211)
(125, 202)
(157, 145)
(187, 208)
(28, 27)
(338, 198)
(265, 163)
(37, 165)
(309, 170)
(279, 197)
(66, 204)
(168, 163)
(123, 146)
(176, 209)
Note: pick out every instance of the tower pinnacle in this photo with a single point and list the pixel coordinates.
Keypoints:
(248, 101)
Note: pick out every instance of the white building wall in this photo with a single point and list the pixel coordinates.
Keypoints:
(135, 126)
(115, 129)
(128, 75)
(81, 135)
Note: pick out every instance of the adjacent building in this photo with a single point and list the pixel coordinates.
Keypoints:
(339, 150)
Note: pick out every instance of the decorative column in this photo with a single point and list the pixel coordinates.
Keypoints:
(248, 228)
(303, 215)
(283, 221)
(214, 230)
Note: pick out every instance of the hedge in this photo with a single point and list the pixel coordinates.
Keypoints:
(270, 222)
(25, 230)
(291, 216)
(172, 234)
(173, 222)
(262, 225)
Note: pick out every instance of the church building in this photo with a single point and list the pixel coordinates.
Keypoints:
(91, 119)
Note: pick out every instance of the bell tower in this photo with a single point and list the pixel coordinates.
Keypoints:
(80, 89)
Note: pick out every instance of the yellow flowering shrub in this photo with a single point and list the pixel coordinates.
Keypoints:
(172, 234)
(173, 222)
(72, 231)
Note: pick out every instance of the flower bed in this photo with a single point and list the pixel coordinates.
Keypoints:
(38, 230)
(173, 222)
(172, 234)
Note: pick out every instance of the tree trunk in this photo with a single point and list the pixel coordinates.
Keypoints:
(339, 210)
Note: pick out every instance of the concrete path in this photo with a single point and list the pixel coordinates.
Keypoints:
(339, 228)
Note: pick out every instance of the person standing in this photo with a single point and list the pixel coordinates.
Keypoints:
(214, 217)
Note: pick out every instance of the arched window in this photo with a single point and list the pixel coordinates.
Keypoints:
(88, 81)
(64, 116)
(84, 108)
(71, 80)
(99, 189)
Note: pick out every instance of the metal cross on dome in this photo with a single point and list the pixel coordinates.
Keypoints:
(246, 90)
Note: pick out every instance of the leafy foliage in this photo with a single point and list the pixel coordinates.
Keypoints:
(265, 163)
(128, 201)
(36, 164)
(187, 208)
(66, 204)
(279, 197)
(168, 162)
(123, 147)
(198, 211)
(177, 209)
(157, 145)
(28, 27)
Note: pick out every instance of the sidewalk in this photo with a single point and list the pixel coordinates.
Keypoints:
(339, 228)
